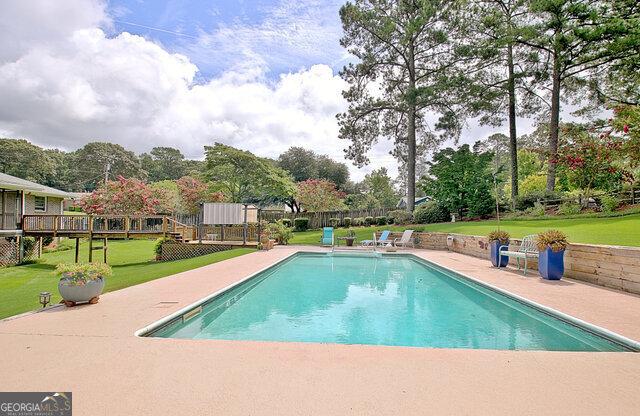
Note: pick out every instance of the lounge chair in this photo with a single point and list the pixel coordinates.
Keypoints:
(526, 250)
(382, 241)
(406, 240)
(327, 236)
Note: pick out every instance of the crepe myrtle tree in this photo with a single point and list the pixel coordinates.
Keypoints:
(579, 42)
(405, 72)
(124, 196)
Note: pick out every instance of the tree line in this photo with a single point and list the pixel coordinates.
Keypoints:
(164, 181)
(493, 60)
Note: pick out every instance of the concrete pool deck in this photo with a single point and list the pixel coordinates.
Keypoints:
(92, 351)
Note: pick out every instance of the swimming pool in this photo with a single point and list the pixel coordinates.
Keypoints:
(380, 300)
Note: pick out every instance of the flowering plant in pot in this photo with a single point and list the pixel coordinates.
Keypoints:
(551, 246)
(81, 282)
(350, 238)
(497, 239)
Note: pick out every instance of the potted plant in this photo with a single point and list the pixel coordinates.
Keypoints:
(551, 246)
(350, 238)
(81, 282)
(497, 239)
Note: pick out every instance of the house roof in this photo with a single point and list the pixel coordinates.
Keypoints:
(17, 184)
(417, 201)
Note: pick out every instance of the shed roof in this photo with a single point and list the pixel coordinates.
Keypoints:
(17, 184)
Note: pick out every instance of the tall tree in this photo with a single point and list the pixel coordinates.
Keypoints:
(25, 160)
(305, 164)
(163, 163)
(461, 179)
(244, 177)
(572, 35)
(405, 72)
(97, 161)
(300, 163)
(378, 188)
(501, 70)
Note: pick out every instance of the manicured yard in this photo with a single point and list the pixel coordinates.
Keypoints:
(132, 263)
(623, 231)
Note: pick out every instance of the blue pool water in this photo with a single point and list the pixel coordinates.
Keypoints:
(387, 300)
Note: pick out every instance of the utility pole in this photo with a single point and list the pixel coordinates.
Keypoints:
(107, 168)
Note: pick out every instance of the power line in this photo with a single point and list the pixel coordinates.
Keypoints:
(157, 29)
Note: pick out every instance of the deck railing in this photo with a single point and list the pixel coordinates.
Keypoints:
(95, 224)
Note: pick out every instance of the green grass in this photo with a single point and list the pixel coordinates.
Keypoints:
(622, 231)
(132, 263)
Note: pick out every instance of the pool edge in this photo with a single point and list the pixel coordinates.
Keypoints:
(631, 344)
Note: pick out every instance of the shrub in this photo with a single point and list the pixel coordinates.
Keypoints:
(358, 221)
(499, 235)
(301, 224)
(368, 221)
(400, 217)
(280, 232)
(609, 203)
(347, 221)
(569, 208)
(431, 212)
(334, 222)
(157, 247)
(381, 220)
(556, 240)
(286, 222)
(537, 210)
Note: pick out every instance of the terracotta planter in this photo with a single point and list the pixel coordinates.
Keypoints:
(71, 294)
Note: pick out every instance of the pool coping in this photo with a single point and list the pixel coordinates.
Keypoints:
(631, 344)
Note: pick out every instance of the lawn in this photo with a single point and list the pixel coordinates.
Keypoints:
(132, 263)
(623, 231)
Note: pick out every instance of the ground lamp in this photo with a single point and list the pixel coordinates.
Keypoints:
(45, 298)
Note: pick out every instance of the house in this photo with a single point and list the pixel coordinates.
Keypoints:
(419, 200)
(20, 197)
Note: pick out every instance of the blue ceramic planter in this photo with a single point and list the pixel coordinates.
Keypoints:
(496, 260)
(551, 264)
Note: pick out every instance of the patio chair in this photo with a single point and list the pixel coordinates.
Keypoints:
(382, 241)
(526, 250)
(406, 240)
(327, 236)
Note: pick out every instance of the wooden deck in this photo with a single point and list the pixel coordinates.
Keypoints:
(107, 226)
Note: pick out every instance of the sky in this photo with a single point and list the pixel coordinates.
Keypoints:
(257, 75)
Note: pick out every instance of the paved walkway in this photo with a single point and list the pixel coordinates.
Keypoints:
(91, 351)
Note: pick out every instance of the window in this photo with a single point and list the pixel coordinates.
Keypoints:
(40, 203)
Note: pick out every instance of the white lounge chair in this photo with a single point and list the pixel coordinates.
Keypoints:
(405, 240)
(526, 250)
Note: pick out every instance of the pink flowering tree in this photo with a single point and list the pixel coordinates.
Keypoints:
(121, 197)
(319, 195)
(193, 191)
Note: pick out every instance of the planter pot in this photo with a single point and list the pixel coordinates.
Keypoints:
(72, 294)
(349, 241)
(551, 264)
(496, 260)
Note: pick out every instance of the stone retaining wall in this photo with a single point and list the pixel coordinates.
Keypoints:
(616, 267)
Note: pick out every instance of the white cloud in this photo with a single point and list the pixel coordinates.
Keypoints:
(82, 85)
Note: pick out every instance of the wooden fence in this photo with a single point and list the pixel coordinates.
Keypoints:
(631, 196)
(322, 219)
